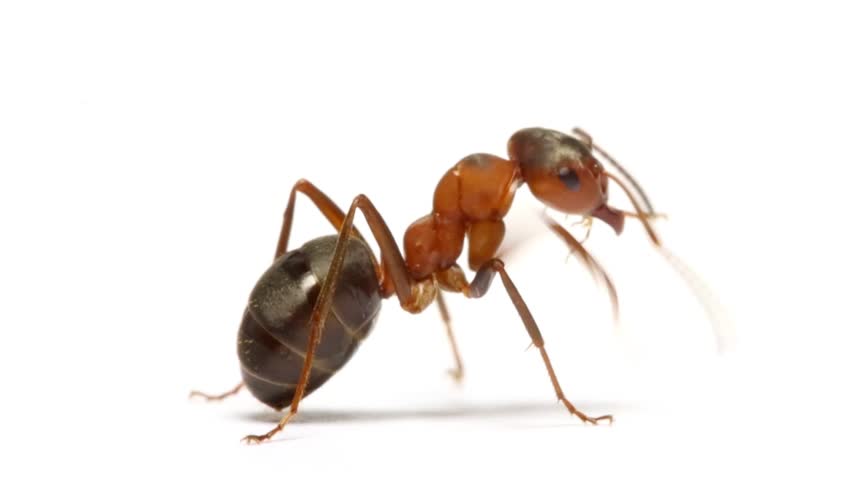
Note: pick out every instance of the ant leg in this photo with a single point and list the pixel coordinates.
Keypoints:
(586, 223)
(214, 398)
(392, 273)
(331, 212)
(326, 206)
(479, 287)
(399, 276)
(588, 261)
(649, 216)
(458, 372)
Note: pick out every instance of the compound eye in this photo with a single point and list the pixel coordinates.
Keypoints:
(569, 178)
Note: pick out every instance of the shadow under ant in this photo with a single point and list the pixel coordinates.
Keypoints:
(446, 412)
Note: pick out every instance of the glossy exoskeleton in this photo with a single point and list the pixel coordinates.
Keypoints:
(310, 310)
(276, 325)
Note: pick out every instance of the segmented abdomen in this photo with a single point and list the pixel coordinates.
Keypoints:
(273, 336)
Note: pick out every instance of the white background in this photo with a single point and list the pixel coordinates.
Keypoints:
(148, 148)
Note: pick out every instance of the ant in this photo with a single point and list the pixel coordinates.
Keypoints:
(286, 346)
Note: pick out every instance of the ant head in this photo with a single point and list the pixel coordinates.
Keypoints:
(562, 172)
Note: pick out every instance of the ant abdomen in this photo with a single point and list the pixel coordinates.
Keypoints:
(276, 325)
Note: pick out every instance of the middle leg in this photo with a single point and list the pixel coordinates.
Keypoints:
(479, 287)
(458, 372)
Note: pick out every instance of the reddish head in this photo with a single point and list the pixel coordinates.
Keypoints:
(562, 172)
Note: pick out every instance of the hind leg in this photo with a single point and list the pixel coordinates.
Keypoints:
(216, 398)
(332, 213)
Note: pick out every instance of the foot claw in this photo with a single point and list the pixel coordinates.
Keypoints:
(215, 398)
(254, 439)
(456, 375)
(593, 420)
(196, 393)
(207, 397)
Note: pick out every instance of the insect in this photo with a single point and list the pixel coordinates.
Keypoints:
(287, 344)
